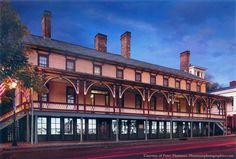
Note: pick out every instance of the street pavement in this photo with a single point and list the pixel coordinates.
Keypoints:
(213, 147)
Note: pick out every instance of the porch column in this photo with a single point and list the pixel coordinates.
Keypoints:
(35, 130)
(171, 129)
(81, 128)
(191, 129)
(114, 104)
(146, 129)
(214, 127)
(27, 128)
(209, 129)
(85, 93)
(117, 130)
(32, 117)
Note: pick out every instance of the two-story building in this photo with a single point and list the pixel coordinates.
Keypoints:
(97, 95)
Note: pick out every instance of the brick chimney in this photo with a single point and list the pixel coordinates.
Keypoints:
(46, 24)
(232, 83)
(125, 44)
(184, 61)
(100, 42)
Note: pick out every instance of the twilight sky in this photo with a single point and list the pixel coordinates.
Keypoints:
(160, 30)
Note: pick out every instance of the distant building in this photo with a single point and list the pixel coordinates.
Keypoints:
(231, 105)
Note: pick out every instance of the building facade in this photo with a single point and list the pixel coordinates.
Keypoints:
(230, 105)
(96, 95)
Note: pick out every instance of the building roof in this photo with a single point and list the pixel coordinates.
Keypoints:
(223, 89)
(199, 67)
(84, 51)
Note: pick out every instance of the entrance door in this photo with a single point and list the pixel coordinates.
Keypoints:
(103, 130)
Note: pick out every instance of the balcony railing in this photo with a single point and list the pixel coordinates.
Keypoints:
(55, 106)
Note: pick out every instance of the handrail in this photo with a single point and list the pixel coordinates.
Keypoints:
(19, 108)
(59, 106)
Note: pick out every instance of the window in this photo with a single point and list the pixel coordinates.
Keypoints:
(97, 70)
(70, 65)
(153, 103)
(153, 79)
(43, 60)
(42, 126)
(124, 126)
(133, 129)
(92, 126)
(165, 82)
(177, 84)
(188, 86)
(114, 126)
(161, 127)
(174, 127)
(70, 95)
(138, 101)
(44, 97)
(168, 127)
(55, 126)
(198, 88)
(79, 126)
(154, 127)
(177, 105)
(68, 126)
(138, 77)
(198, 107)
(119, 73)
(146, 127)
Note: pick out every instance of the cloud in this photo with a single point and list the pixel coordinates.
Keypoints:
(129, 22)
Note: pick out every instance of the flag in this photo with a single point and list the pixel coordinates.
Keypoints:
(2, 89)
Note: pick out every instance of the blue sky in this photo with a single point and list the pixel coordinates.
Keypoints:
(160, 30)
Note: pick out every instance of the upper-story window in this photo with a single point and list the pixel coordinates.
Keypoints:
(153, 79)
(138, 77)
(97, 70)
(70, 65)
(165, 82)
(119, 73)
(43, 60)
(188, 86)
(138, 101)
(198, 88)
(177, 84)
(70, 94)
(153, 103)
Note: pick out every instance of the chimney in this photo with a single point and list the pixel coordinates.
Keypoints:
(232, 83)
(184, 61)
(125, 44)
(100, 42)
(46, 24)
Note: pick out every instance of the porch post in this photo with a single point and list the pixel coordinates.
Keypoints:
(81, 128)
(32, 117)
(36, 128)
(171, 129)
(114, 104)
(146, 129)
(214, 127)
(27, 128)
(117, 130)
(85, 93)
(209, 129)
(191, 129)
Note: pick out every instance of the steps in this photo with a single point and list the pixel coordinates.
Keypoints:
(7, 118)
(222, 126)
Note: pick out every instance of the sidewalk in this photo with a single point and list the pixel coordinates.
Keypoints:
(88, 144)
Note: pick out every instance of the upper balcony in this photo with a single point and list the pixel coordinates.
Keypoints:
(95, 94)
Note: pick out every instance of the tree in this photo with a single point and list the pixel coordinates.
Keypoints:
(211, 85)
(13, 58)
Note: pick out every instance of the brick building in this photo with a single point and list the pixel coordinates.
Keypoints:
(97, 95)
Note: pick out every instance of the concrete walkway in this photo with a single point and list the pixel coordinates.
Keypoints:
(71, 144)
